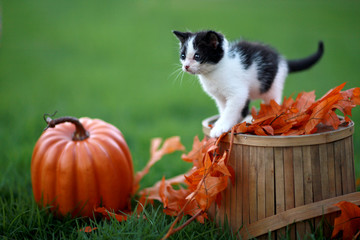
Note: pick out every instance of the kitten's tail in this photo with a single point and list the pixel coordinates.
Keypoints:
(305, 63)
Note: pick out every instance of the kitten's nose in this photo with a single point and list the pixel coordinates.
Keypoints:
(187, 67)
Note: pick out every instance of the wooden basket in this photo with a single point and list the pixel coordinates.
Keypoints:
(284, 180)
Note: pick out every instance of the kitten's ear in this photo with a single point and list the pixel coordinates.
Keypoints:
(182, 36)
(213, 39)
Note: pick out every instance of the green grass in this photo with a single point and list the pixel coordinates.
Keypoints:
(115, 60)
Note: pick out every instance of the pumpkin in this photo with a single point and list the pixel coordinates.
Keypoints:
(78, 165)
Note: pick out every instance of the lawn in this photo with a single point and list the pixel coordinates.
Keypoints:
(118, 61)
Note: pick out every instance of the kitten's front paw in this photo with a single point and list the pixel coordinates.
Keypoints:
(219, 129)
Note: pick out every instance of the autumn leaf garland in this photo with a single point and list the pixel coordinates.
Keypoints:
(194, 192)
(204, 182)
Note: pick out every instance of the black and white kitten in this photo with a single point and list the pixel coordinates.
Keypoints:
(235, 73)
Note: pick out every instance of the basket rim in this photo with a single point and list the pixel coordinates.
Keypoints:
(283, 141)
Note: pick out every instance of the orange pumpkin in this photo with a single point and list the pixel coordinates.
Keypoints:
(78, 165)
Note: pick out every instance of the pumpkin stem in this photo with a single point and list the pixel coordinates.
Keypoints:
(80, 132)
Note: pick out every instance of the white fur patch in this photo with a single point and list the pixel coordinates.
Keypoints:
(189, 64)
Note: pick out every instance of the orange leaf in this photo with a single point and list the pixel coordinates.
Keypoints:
(259, 131)
(221, 166)
(331, 119)
(269, 129)
(345, 106)
(241, 128)
(287, 103)
(210, 187)
(298, 119)
(263, 119)
(332, 92)
(162, 192)
(304, 100)
(356, 96)
(275, 106)
(196, 152)
(153, 193)
(320, 111)
(170, 145)
(283, 129)
(88, 229)
(107, 214)
(348, 222)
(294, 132)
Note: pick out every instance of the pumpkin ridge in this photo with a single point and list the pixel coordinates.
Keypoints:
(50, 198)
(97, 149)
(117, 170)
(120, 142)
(96, 177)
(86, 178)
(39, 155)
(63, 199)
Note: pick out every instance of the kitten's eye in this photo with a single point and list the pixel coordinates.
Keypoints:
(182, 56)
(197, 57)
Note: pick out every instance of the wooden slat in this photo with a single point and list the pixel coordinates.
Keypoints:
(316, 175)
(239, 186)
(289, 184)
(261, 183)
(245, 179)
(289, 178)
(353, 160)
(324, 175)
(308, 187)
(279, 180)
(298, 176)
(253, 184)
(332, 177)
(298, 185)
(351, 144)
(269, 182)
(349, 158)
(227, 193)
(337, 160)
(297, 214)
(233, 187)
(331, 169)
(279, 184)
(344, 172)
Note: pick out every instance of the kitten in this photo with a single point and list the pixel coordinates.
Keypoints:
(235, 73)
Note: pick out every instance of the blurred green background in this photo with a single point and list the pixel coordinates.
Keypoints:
(118, 61)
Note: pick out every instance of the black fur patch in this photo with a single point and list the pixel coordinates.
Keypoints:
(208, 44)
(266, 60)
(245, 110)
(183, 52)
(308, 62)
(182, 36)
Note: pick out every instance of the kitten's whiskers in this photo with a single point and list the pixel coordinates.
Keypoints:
(179, 74)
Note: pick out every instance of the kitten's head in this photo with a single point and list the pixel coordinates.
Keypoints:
(200, 51)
